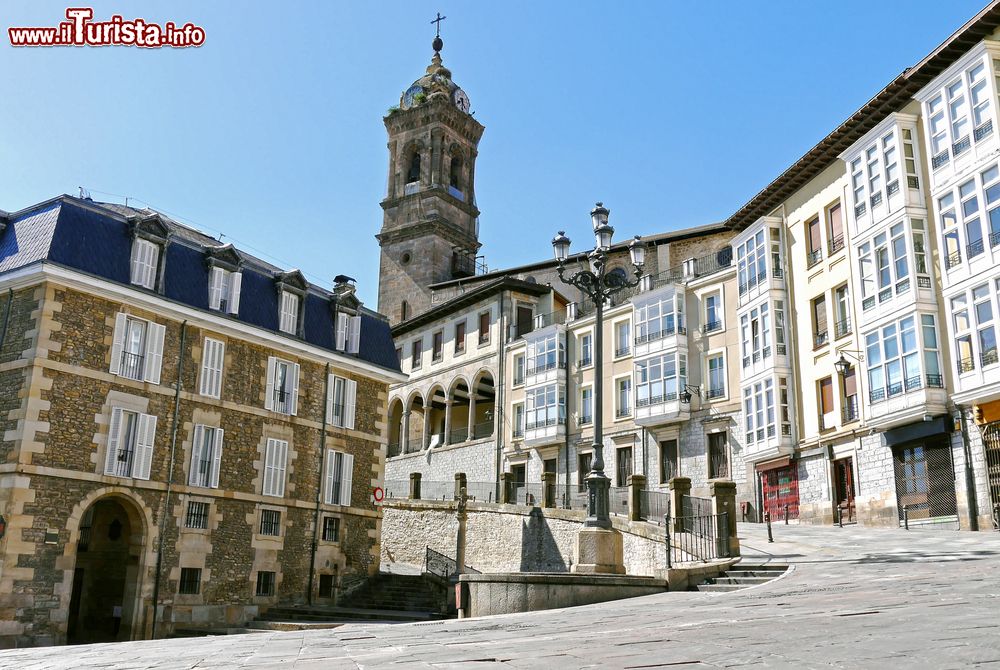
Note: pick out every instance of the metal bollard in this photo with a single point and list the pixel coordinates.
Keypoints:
(906, 517)
(666, 527)
(840, 517)
(767, 520)
(786, 514)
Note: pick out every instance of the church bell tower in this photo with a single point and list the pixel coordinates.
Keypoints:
(429, 227)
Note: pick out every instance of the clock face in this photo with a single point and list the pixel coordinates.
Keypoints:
(461, 100)
(410, 94)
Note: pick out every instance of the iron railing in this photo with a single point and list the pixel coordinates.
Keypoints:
(436, 563)
(692, 538)
(814, 257)
(820, 338)
(653, 505)
(622, 351)
(545, 367)
(982, 130)
(660, 334)
(694, 506)
(131, 365)
(618, 500)
(712, 326)
(849, 411)
(842, 328)
(975, 248)
(282, 401)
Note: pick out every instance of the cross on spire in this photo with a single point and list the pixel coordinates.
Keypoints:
(438, 21)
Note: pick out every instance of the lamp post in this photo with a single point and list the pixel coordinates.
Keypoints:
(598, 284)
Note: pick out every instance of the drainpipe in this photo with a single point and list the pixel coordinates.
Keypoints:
(970, 482)
(6, 316)
(499, 395)
(319, 486)
(164, 510)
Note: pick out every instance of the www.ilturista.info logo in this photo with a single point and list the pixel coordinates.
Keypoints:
(80, 31)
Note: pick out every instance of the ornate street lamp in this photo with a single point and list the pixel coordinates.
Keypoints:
(599, 285)
(842, 365)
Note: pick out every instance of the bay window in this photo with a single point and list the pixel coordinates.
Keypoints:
(959, 115)
(751, 261)
(660, 379)
(546, 353)
(976, 216)
(660, 318)
(894, 360)
(885, 263)
(545, 406)
(755, 332)
(758, 411)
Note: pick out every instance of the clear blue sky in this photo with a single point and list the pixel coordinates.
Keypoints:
(673, 113)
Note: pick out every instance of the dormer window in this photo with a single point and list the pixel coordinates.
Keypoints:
(348, 333)
(224, 290)
(145, 263)
(289, 322)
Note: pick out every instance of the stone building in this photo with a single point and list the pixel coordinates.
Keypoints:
(854, 375)
(181, 425)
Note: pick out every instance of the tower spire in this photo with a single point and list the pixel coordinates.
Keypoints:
(438, 43)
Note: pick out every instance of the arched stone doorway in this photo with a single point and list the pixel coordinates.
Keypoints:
(109, 551)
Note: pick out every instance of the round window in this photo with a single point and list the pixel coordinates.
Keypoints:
(405, 258)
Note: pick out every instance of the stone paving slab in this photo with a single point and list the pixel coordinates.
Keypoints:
(855, 598)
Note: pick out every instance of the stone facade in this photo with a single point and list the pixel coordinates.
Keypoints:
(55, 412)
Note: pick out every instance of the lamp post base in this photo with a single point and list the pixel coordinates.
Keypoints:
(599, 551)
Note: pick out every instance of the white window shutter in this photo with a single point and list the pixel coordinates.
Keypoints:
(144, 437)
(206, 367)
(118, 343)
(111, 459)
(196, 443)
(234, 292)
(329, 398)
(330, 473)
(154, 352)
(342, 321)
(215, 288)
(354, 335)
(345, 480)
(272, 363)
(153, 255)
(219, 361)
(294, 403)
(135, 265)
(350, 402)
(268, 468)
(213, 479)
(279, 473)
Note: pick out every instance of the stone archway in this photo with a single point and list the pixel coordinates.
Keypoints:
(106, 588)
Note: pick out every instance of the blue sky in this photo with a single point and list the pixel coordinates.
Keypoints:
(672, 113)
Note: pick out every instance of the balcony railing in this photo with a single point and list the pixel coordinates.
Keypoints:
(622, 351)
(518, 433)
(849, 411)
(584, 420)
(877, 395)
(940, 160)
(131, 366)
(458, 435)
(814, 257)
(952, 260)
(623, 412)
(935, 381)
(545, 367)
(961, 146)
(973, 249)
(282, 401)
(912, 182)
(842, 328)
(836, 244)
(892, 187)
(777, 272)
(585, 361)
(995, 239)
(481, 430)
(988, 357)
(966, 365)
(545, 423)
(656, 399)
(660, 334)
(711, 326)
(868, 303)
(983, 130)
(717, 392)
(860, 209)
(821, 338)
(913, 383)
(876, 199)
(923, 282)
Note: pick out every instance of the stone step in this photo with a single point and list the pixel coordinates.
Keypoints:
(257, 626)
(762, 567)
(729, 578)
(341, 614)
(720, 587)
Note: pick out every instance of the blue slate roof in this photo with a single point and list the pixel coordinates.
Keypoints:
(94, 238)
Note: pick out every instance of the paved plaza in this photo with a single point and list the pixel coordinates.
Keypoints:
(855, 598)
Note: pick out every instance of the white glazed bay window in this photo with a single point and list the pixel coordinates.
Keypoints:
(660, 318)
(886, 262)
(660, 379)
(974, 317)
(546, 354)
(967, 214)
(545, 406)
(960, 115)
(894, 361)
(756, 332)
(759, 410)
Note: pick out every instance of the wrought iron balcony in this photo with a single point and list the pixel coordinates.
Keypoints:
(814, 257)
(585, 420)
(660, 334)
(988, 357)
(711, 327)
(131, 366)
(892, 187)
(282, 402)
(935, 381)
(622, 351)
(836, 244)
(623, 412)
(983, 130)
(940, 160)
(585, 361)
(717, 392)
(656, 399)
(973, 249)
(961, 146)
(842, 328)
(849, 411)
(821, 338)
(966, 365)
(876, 199)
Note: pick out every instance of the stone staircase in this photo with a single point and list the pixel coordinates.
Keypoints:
(386, 598)
(743, 575)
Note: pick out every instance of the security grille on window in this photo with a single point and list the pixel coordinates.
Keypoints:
(145, 263)
(206, 455)
(197, 515)
(224, 290)
(545, 406)
(130, 444)
(190, 582)
(339, 476)
(212, 357)
(341, 401)
(289, 321)
(270, 522)
(265, 583)
(282, 388)
(660, 379)
(137, 349)
(331, 529)
(348, 333)
(275, 460)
